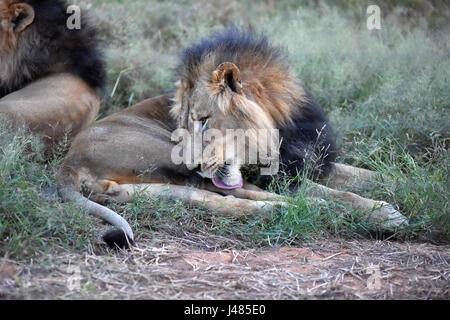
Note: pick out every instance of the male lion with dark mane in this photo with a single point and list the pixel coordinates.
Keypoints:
(50, 76)
(232, 80)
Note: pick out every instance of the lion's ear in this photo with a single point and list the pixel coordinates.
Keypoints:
(22, 16)
(227, 75)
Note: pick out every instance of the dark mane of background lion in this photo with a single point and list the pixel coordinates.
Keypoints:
(268, 80)
(48, 46)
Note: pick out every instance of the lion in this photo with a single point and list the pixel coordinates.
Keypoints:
(231, 80)
(51, 77)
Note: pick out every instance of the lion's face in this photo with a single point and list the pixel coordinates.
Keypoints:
(216, 108)
(15, 17)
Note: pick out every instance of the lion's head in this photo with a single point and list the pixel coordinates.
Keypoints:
(15, 17)
(35, 41)
(233, 81)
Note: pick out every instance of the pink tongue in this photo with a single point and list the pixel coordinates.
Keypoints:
(219, 184)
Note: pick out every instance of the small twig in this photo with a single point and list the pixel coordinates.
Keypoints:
(332, 256)
(118, 80)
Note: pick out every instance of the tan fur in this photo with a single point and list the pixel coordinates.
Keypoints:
(11, 53)
(119, 156)
(116, 158)
(247, 108)
(52, 106)
(129, 153)
(7, 13)
(56, 106)
(276, 98)
(257, 104)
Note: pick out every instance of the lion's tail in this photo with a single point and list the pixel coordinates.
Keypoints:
(67, 190)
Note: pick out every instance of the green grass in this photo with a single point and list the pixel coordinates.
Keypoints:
(32, 220)
(387, 92)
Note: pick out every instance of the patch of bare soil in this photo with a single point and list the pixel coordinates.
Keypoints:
(170, 269)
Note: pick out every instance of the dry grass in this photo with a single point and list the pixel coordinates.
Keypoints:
(168, 268)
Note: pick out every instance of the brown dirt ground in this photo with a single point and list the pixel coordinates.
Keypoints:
(171, 269)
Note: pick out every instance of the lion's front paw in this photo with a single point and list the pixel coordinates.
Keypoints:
(388, 216)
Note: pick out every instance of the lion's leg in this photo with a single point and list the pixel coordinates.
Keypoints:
(106, 191)
(228, 205)
(342, 174)
(248, 191)
(377, 211)
(252, 187)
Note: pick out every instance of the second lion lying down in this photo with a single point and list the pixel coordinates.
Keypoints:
(233, 80)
